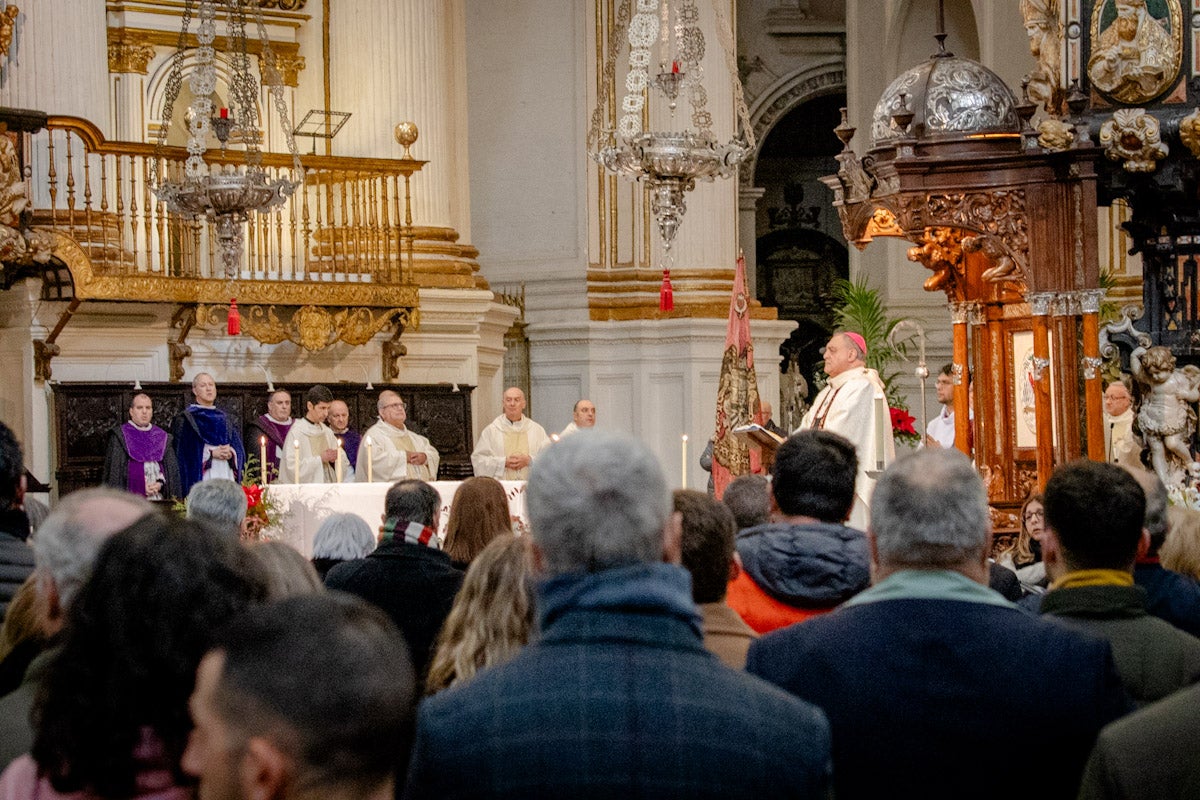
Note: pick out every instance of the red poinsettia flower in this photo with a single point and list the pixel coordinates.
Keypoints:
(902, 422)
(253, 496)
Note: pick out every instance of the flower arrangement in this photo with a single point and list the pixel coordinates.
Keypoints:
(261, 510)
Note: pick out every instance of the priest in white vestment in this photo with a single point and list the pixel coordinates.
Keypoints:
(1119, 445)
(510, 442)
(583, 417)
(854, 405)
(389, 451)
(311, 453)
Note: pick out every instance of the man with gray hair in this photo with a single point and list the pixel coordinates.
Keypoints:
(936, 665)
(64, 551)
(220, 505)
(620, 669)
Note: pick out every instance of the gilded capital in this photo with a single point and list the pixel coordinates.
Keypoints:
(288, 65)
(130, 56)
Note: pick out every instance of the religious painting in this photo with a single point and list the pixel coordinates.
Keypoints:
(1136, 49)
(1025, 424)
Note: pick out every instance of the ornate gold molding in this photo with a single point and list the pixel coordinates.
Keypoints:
(8, 21)
(312, 327)
(129, 53)
(288, 60)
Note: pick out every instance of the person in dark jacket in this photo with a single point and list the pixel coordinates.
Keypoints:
(1094, 514)
(618, 697)
(1170, 595)
(16, 557)
(807, 561)
(407, 575)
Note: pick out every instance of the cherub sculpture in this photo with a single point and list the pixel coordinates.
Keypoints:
(1167, 415)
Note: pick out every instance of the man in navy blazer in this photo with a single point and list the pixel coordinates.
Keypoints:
(931, 681)
(618, 698)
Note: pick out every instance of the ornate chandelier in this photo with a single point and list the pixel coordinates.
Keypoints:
(667, 33)
(225, 196)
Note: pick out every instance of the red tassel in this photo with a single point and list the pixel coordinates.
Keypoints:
(666, 297)
(234, 322)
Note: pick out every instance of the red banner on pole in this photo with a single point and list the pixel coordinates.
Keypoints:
(737, 391)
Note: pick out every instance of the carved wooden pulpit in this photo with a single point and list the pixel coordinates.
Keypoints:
(1008, 230)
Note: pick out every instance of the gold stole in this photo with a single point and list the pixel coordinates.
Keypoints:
(403, 442)
(516, 443)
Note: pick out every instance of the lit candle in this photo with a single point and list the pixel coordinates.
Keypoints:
(881, 420)
(296, 471)
(340, 456)
(262, 459)
(684, 462)
(675, 67)
(224, 113)
(370, 462)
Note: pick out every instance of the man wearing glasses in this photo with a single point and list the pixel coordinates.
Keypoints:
(389, 451)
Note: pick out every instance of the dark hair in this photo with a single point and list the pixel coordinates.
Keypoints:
(948, 369)
(318, 394)
(814, 476)
(708, 534)
(1096, 510)
(413, 500)
(134, 636)
(328, 680)
(12, 467)
(478, 512)
(749, 498)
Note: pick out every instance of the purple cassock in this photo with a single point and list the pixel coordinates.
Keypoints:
(130, 449)
(276, 433)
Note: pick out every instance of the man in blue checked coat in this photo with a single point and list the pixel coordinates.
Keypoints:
(618, 697)
(929, 675)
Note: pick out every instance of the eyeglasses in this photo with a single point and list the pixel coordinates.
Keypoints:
(394, 405)
(1030, 516)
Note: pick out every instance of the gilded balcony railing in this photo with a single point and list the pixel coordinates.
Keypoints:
(349, 223)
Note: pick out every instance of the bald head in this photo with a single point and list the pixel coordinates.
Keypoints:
(514, 403)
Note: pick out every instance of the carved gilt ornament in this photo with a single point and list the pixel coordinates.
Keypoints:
(1135, 56)
(1133, 136)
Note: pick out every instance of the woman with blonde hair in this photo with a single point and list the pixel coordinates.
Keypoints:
(492, 617)
(1025, 555)
(478, 513)
(1181, 550)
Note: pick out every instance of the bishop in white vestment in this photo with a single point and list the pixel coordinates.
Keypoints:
(394, 452)
(510, 442)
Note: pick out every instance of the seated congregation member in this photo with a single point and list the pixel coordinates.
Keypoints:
(220, 506)
(1093, 535)
(287, 571)
(67, 546)
(708, 554)
(749, 498)
(478, 514)
(510, 442)
(207, 442)
(273, 427)
(141, 456)
(112, 716)
(310, 452)
(16, 558)
(310, 697)
(492, 616)
(406, 575)
(1024, 557)
(341, 537)
(928, 674)
(618, 697)
(22, 635)
(395, 451)
(1170, 595)
(1149, 755)
(807, 561)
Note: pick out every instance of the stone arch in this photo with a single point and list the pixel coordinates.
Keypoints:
(784, 95)
(156, 86)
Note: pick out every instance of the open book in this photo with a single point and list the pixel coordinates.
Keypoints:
(756, 435)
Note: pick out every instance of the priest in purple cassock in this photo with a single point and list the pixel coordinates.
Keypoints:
(206, 441)
(272, 426)
(140, 458)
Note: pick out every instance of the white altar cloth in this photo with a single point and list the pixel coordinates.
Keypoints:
(302, 507)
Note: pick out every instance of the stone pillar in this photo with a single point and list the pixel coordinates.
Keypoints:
(128, 63)
(59, 60)
(748, 197)
(411, 53)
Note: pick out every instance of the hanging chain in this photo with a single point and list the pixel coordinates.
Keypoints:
(174, 82)
(275, 87)
(609, 73)
(725, 37)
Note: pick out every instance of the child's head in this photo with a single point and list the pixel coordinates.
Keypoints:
(1158, 363)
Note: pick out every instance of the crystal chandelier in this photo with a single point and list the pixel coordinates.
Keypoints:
(666, 34)
(225, 196)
